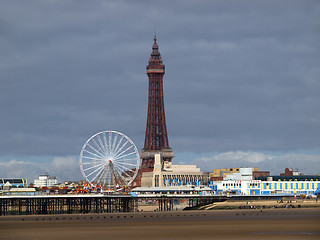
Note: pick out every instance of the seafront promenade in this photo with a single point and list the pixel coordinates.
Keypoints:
(205, 224)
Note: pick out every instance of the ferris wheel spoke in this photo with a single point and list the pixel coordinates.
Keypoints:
(124, 172)
(118, 168)
(117, 174)
(118, 145)
(124, 168)
(125, 155)
(101, 151)
(107, 176)
(102, 145)
(124, 164)
(88, 163)
(100, 174)
(99, 157)
(95, 166)
(122, 178)
(100, 154)
(110, 137)
(105, 141)
(114, 142)
(126, 160)
(124, 144)
(110, 176)
(95, 171)
(127, 169)
(118, 155)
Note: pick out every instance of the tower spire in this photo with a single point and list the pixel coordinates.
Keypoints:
(155, 58)
(155, 45)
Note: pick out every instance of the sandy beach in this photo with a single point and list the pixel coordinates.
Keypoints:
(241, 204)
(217, 224)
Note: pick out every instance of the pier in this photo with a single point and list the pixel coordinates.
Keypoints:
(99, 203)
(65, 204)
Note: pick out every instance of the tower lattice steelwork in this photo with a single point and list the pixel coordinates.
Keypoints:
(156, 139)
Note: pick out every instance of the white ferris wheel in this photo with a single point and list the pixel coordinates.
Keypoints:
(109, 159)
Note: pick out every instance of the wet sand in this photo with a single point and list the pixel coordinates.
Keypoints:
(270, 203)
(218, 224)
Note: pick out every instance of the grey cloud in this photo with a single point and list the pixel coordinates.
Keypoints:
(275, 163)
(64, 168)
(239, 75)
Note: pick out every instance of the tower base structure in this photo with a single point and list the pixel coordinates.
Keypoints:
(147, 157)
(148, 162)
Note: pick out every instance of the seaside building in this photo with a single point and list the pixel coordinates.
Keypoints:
(290, 178)
(14, 182)
(237, 174)
(291, 172)
(166, 174)
(257, 174)
(289, 175)
(15, 186)
(258, 187)
(45, 181)
(251, 181)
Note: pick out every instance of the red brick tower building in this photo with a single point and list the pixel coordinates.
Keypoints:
(156, 138)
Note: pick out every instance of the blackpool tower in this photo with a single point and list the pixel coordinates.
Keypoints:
(156, 138)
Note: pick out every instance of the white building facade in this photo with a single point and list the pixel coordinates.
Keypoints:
(243, 174)
(45, 181)
(169, 175)
(258, 187)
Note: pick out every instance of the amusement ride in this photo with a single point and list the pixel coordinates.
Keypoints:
(109, 160)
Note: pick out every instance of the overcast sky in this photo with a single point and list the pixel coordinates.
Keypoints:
(241, 86)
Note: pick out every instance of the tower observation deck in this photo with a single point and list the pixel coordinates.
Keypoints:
(156, 138)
